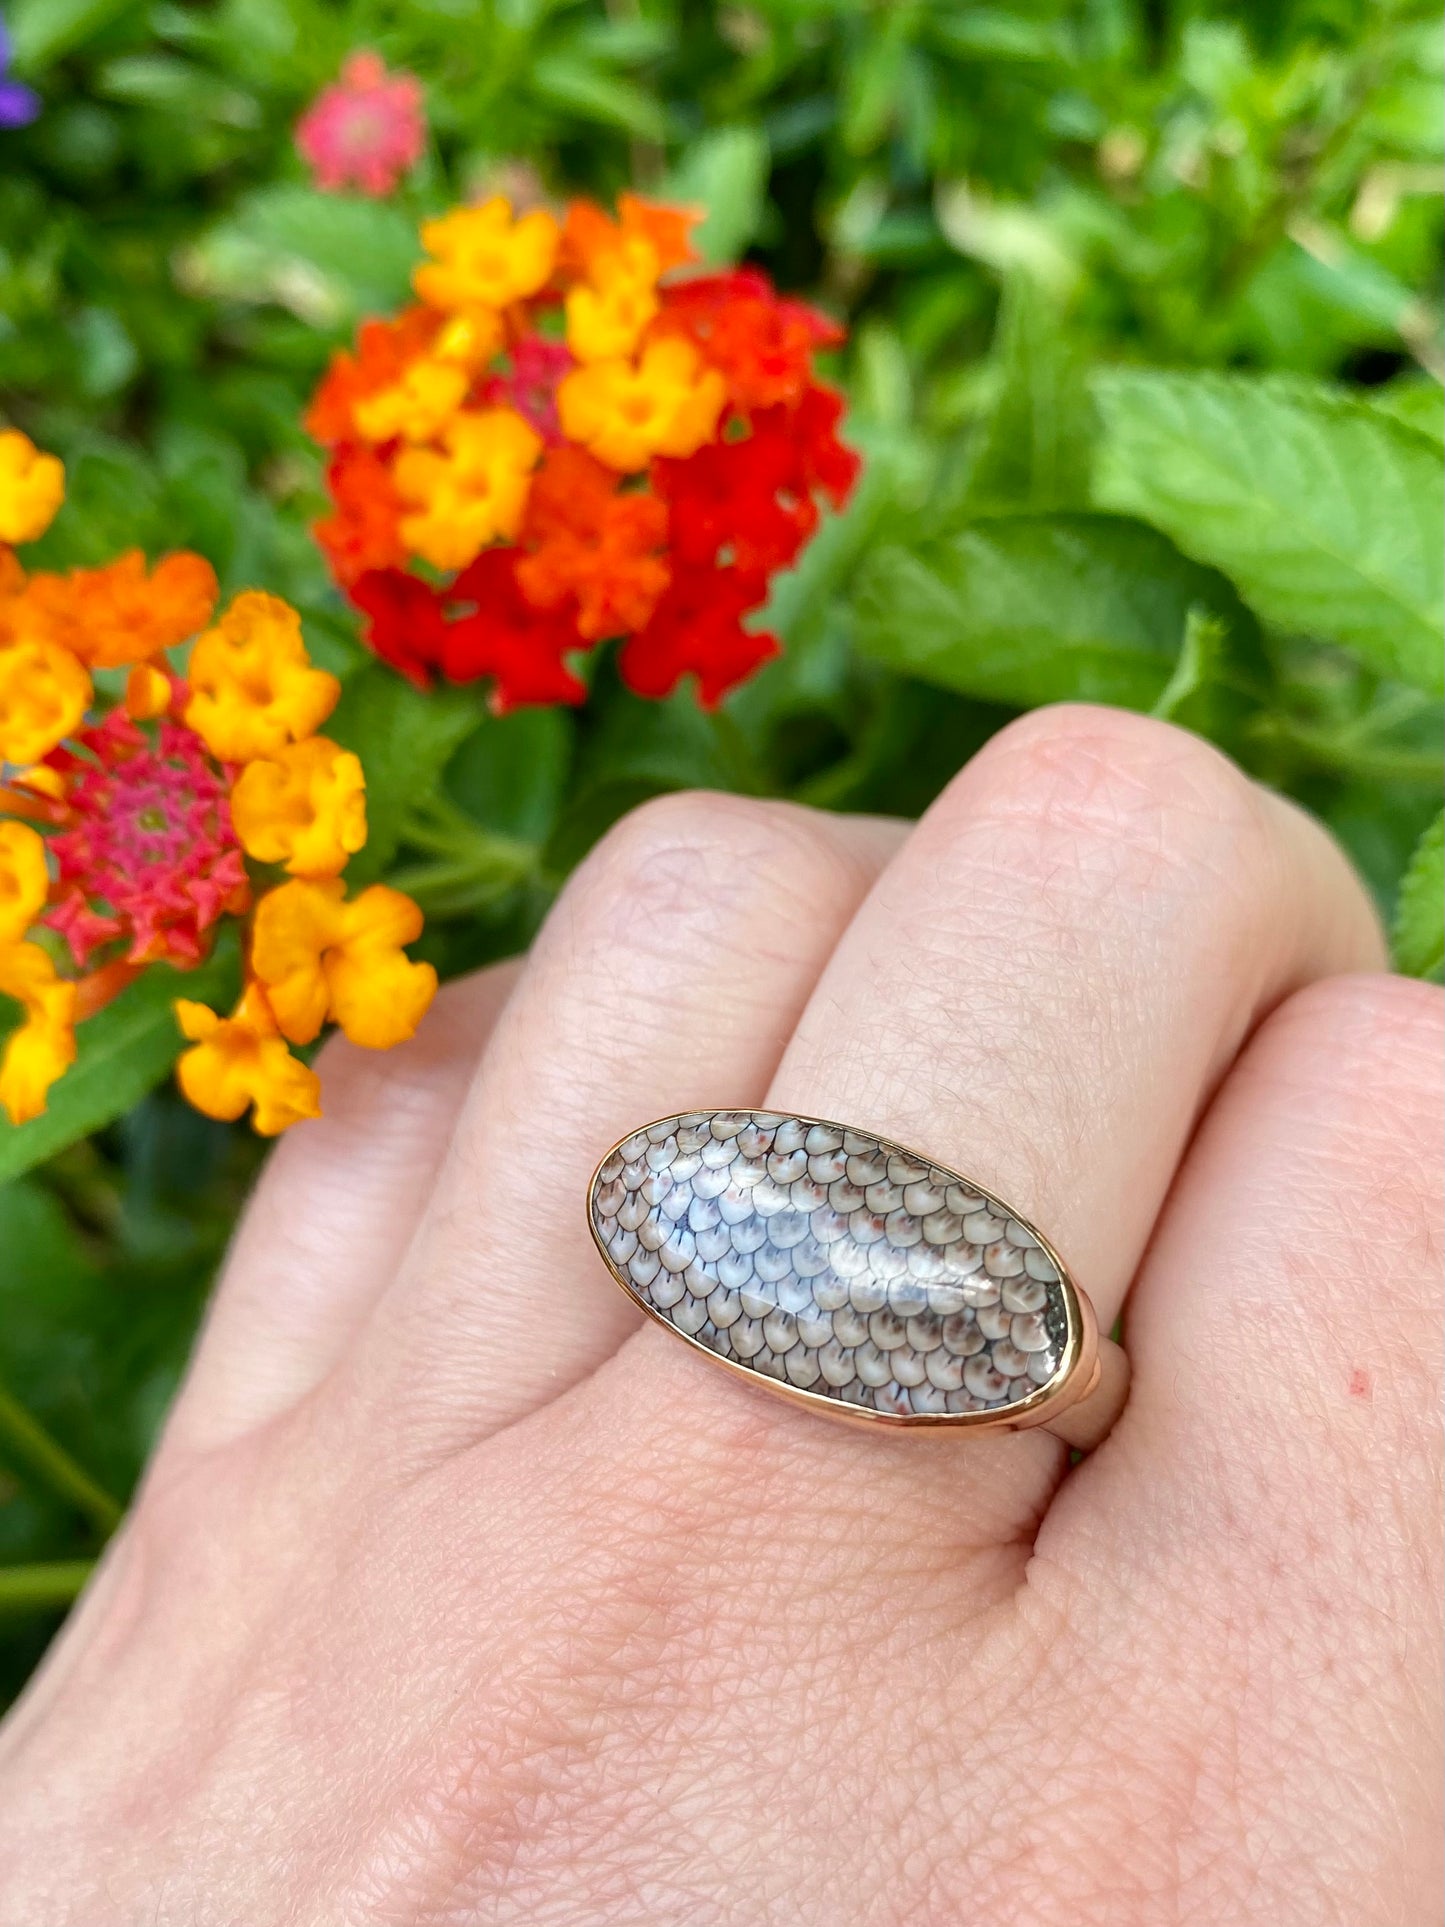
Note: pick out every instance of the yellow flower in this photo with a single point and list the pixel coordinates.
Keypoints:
(24, 879)
(605, 321)
(484, 259)
(417, 407)
(32, 487)
(319, 956)
(240, 1060)
(470, 340)
(668, 404)
(43, 1047)
(304, 807)
(253, 687)
(44, 693)
(474, 492)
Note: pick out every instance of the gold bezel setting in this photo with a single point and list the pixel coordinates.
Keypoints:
(1075, 1376)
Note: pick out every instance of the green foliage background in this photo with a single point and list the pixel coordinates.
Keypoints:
(1145, 361)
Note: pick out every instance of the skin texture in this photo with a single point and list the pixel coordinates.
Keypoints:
(456, 1594)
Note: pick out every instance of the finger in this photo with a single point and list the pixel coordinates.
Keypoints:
(1269, 1503)
(672, 969)
(1048, 980)
(333, 1215)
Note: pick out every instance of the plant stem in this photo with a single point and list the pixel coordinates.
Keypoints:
(35, 1449)
(41, 1587)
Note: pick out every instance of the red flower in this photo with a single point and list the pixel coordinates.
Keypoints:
(520, 647)
(147, 852)
(405, 625)
(761, 342)
(749, 501)
(592, 545)
(697, 629)
(825, 461)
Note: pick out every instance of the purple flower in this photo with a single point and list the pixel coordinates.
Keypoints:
(18, 104)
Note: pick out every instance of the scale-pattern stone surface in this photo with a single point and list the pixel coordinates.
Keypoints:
(831, 1260)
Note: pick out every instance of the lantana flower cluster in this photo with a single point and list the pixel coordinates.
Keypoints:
(142, 806)
(573, 437)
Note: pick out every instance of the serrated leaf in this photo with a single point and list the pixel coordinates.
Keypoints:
(124, 1051)
(1419, 932)
(1037, 609)
(1035, 448)
(1324, 512)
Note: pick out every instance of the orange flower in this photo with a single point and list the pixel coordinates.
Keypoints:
(149, 692)
(253, 685)
(115, 615)
(668, 404)
(483, 259)
(304, 807)
(319, 956)
(364, 533)
(384, 351)
(592, 542)
(44, 693)
(32, 487)
(591, 240)
(474, 492)
(240, 1060)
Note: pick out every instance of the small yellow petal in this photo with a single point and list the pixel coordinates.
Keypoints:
(32, 487)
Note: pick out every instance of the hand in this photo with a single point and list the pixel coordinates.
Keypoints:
(457, 1595)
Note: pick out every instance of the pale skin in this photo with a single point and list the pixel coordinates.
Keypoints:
(456, 1594)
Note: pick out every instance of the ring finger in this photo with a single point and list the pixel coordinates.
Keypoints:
(1042, 990)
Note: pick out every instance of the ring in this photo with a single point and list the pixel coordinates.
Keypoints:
(846, 1272)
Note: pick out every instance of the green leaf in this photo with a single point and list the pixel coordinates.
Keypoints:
(1419, 932)
(1324, 512)
(1037, 609)
(511, 772)
(326, 257)
(725, 172)
(405, 738)
(1416, 400)
(1035, 449)
(124, 1050)
(44, 30)
(573, 84)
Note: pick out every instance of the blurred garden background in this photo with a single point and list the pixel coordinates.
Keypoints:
(1143, 360)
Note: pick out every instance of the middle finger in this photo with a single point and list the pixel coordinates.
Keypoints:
(1045, 985)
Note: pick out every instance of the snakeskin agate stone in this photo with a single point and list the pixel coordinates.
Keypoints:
(837, 1263)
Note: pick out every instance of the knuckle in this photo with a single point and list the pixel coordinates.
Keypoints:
(695, 861)
(1143, 785)
(1365, 1052)
(1349, 1072)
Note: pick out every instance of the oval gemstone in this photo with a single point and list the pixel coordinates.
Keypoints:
(943, 1303)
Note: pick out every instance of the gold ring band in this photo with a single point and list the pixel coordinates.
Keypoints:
(846, 1272)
